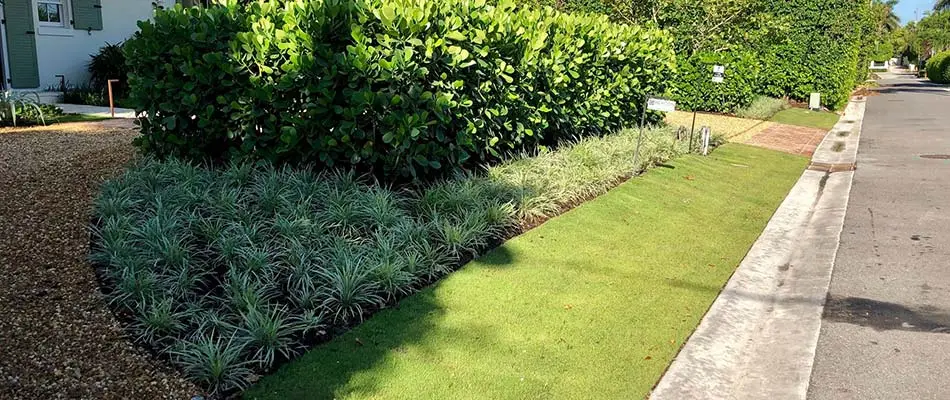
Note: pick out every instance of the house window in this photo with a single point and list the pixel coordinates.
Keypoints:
(51, 13)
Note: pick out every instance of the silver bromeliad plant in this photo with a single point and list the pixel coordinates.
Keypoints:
(230, 270)
(13, 101)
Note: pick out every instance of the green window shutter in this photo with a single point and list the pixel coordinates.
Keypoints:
(87, 15)
(21, 43)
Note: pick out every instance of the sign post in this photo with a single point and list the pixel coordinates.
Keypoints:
(719, 76)
(654, 104)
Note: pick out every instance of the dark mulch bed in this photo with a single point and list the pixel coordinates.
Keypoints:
(57, 336)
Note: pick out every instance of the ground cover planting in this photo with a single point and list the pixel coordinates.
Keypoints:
(459, 123)
(598, 300)
(763, 108)
(229, 270)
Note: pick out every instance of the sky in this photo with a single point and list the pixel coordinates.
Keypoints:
(905, 9)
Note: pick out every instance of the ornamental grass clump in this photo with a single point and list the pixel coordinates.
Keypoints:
(543, 185)
(763, 108)
(230, 270)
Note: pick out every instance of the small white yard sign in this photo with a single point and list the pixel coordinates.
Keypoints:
(658, 104)
(814, 101)
(719, 73)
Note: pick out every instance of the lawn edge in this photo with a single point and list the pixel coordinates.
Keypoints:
(760, 335)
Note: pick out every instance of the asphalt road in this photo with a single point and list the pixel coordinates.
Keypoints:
(886, 329)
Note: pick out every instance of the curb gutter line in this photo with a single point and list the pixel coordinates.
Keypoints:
(758, 339)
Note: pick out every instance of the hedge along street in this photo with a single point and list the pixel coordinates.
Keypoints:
(402, 89)
(938, 68)
(595, 301)
(777, 48)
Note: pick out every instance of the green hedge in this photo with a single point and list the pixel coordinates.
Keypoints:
(938, 68)
(801, 46)
(400, 88)
(820, 52)
(695, 89)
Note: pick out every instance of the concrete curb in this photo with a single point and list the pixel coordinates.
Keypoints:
(758, 339)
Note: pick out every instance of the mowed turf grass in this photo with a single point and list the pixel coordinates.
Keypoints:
(802, 117)
(592, 304)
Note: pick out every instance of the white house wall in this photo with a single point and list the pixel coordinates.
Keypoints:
(67, 51)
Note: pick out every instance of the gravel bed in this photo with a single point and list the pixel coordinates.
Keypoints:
(58, 339)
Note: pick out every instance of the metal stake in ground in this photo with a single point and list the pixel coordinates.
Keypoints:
(655, 104)
(705, 133)
(643, 117)
(111, 100)
(692, 129)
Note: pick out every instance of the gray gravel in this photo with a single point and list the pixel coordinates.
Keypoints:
(57, 336)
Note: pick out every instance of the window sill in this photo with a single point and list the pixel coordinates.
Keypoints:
(55, 31)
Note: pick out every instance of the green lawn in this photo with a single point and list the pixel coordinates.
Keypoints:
(803, 117)
(592, 304)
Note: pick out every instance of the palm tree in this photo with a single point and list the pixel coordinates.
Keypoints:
(890, 21)
(942, 5)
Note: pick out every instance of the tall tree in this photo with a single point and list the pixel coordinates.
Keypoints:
(933, 33)
(888, 21)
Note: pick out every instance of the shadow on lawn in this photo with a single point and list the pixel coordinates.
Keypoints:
(501, 256)
(336, 369)
(356, 363)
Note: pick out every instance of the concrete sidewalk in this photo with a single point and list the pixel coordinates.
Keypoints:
(96, 111)
(758, 339)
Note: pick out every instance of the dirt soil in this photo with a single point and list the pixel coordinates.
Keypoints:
(57, 336)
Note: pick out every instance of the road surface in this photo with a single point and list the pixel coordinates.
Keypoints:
(886, 328)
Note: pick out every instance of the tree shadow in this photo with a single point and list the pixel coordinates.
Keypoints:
(905, 90)
(501, 256)
(916, 87)
(340, 366)
(336, 369)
